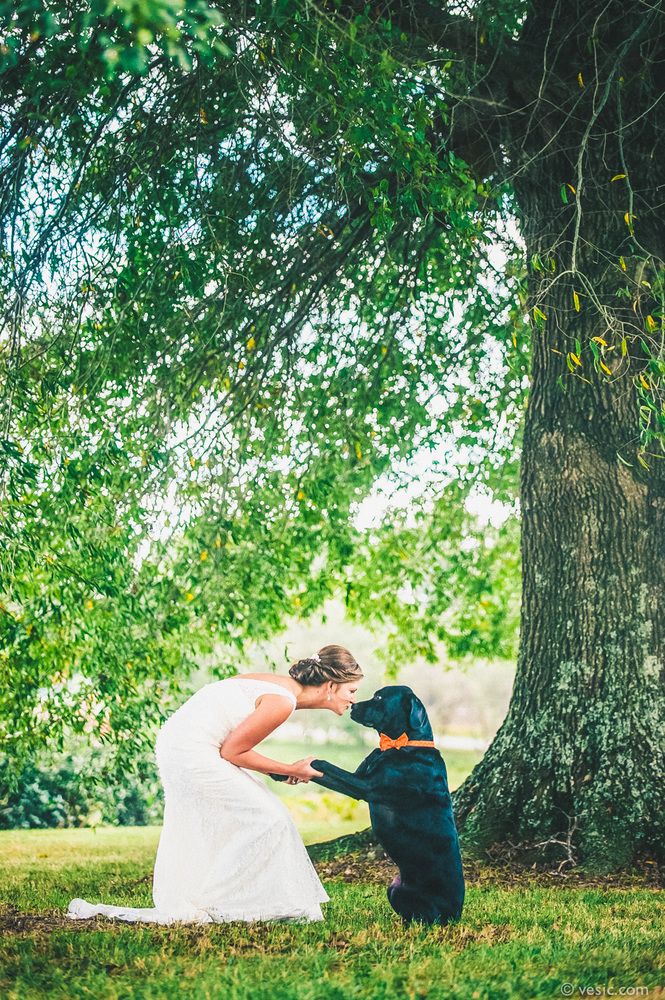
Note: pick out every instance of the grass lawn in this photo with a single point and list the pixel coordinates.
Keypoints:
(521, 936)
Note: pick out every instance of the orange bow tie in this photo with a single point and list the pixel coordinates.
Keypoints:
(386, 743)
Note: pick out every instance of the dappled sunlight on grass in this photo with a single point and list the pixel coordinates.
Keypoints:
(515, 940)
(519, 936)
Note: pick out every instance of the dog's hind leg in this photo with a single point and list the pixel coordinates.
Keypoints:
(411, 905)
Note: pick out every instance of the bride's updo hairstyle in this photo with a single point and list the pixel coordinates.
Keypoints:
(331, 663)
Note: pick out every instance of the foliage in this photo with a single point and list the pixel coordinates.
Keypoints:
(70, 790)
(441, 581)
(244, 266)
(251, 270)
(107, 39)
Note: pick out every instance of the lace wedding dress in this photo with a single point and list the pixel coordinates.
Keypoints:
(229, 849)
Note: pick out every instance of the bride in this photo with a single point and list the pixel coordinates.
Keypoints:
(229, 849)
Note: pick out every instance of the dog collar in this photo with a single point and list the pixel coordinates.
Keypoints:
(386, 743)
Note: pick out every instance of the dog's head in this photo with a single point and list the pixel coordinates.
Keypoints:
(394, 710)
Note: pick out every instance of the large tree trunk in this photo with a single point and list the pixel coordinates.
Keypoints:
(582, 750)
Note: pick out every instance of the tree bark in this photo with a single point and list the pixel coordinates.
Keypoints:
(579, 762)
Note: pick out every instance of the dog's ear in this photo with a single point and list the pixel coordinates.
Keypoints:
(417, 715)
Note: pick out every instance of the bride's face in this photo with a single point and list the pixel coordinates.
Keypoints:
(343, 696)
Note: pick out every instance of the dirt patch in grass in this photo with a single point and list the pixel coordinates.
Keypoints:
(241, 939)
(646, 874)
(374, 867)
(12, 921)
(369, 866)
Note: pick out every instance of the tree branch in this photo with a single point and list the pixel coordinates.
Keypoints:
(434, 25)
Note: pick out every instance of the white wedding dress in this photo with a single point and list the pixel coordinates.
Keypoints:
(229, 849)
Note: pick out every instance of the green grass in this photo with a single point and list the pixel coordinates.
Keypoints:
(513, 942)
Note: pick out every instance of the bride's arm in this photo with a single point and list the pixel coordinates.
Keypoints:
(238, 747)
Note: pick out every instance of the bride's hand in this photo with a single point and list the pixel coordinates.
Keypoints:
(301, 771)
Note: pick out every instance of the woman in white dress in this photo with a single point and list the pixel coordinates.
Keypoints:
(229, 849)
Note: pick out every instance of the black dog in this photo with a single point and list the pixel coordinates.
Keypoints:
(406, 786)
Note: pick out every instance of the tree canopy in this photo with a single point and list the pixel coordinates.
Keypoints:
(245, 276)
(258, 255)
